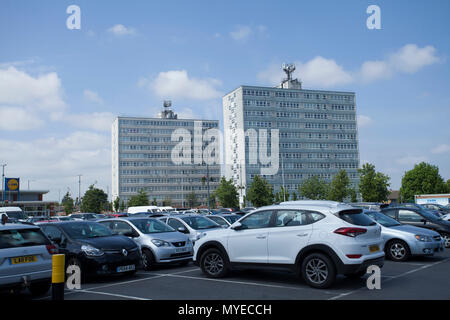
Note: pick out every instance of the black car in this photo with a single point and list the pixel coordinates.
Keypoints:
(420, 217)
(443, 210)
(94, 248)
(224, 220)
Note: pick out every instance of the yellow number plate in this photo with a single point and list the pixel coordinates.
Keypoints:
(374, 248)
(20, 260)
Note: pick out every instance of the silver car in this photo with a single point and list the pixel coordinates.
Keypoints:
(159, 243)
(193, 225)
(25, 258)
(400, 241)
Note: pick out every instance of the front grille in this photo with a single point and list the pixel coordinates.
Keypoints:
(179, 244)
(119, 251)
(180, 255)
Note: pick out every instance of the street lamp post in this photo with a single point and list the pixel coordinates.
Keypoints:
(3, 182)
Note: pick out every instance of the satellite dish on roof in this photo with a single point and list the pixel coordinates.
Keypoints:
(167, 103)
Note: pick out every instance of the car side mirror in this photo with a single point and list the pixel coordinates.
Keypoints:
(182, 230)
(424, 221)
(236, 226)
(131, 234)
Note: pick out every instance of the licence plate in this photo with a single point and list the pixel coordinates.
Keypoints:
(374, 248)
(131, 267)
(27, 259)
(181, 250)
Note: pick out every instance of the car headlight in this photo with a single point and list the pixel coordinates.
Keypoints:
(160, 243)
(91, 251)
(423, 238)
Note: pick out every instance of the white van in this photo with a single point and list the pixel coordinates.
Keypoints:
(143, 209)
(15, 214)
(166, 209)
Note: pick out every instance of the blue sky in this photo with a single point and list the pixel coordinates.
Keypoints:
(60, 88)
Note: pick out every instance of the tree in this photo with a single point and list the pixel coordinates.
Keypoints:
(116, 204)
(227, 194)
(294, 196)
(339, 187)
(68, 203)
(94, 200)
(191, 199)
(154, 202)
(167, 201)
(424, 178)
(260, 192)
(448, 186)
(373, 186)
(314, 188)
(140, 199)
(353, 195)
(122, 206)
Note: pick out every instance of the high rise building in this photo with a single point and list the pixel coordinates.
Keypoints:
(165, 156)
(315, 133)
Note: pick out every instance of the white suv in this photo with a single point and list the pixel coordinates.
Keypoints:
(317, 239)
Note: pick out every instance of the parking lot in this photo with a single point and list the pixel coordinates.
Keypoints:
(418, 278)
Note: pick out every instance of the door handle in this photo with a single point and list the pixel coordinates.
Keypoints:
(260, 237)
(302, 234)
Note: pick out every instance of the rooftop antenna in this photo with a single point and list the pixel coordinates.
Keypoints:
(289, 68)
(167, 104)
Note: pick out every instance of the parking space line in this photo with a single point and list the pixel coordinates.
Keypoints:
(391, 278)
(242, 282)
(184, 271)
(109, 294)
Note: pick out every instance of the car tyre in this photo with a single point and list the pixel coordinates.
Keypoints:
(214, 263)
(397, 250)
(446, 238)
(318, 271)
(148, 260)
(39, 289)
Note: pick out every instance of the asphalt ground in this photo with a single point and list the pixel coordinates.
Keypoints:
(421, 278)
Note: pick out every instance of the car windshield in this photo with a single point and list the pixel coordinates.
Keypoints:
(148, 226)
(22, 238)
(16, 215)
(232, 219)
(86, 230)
(356, 217)
(427, 214)
(200, 223)
(383, 219)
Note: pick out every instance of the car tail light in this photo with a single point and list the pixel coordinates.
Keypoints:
(52, 249)
(350, 232)
(354, 256)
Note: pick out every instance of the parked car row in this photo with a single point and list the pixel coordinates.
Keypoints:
(315, 239)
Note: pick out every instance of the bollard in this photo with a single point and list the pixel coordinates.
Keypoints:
(58, 275)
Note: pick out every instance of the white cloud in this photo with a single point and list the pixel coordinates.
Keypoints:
(177, 84)
(324, 72)
(92, 96)
(241, 33)
(411, 160)
(317, 72)
(364, 121)
(443, 148)
(56, 161)
(375, 70)
(121, 30)
(18, 119)
(411, 58)
(42, 93)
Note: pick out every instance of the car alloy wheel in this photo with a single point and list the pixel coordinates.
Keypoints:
(398, 251)
(317, 271)
(213, 264)
(147, 259)
(446, 238)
